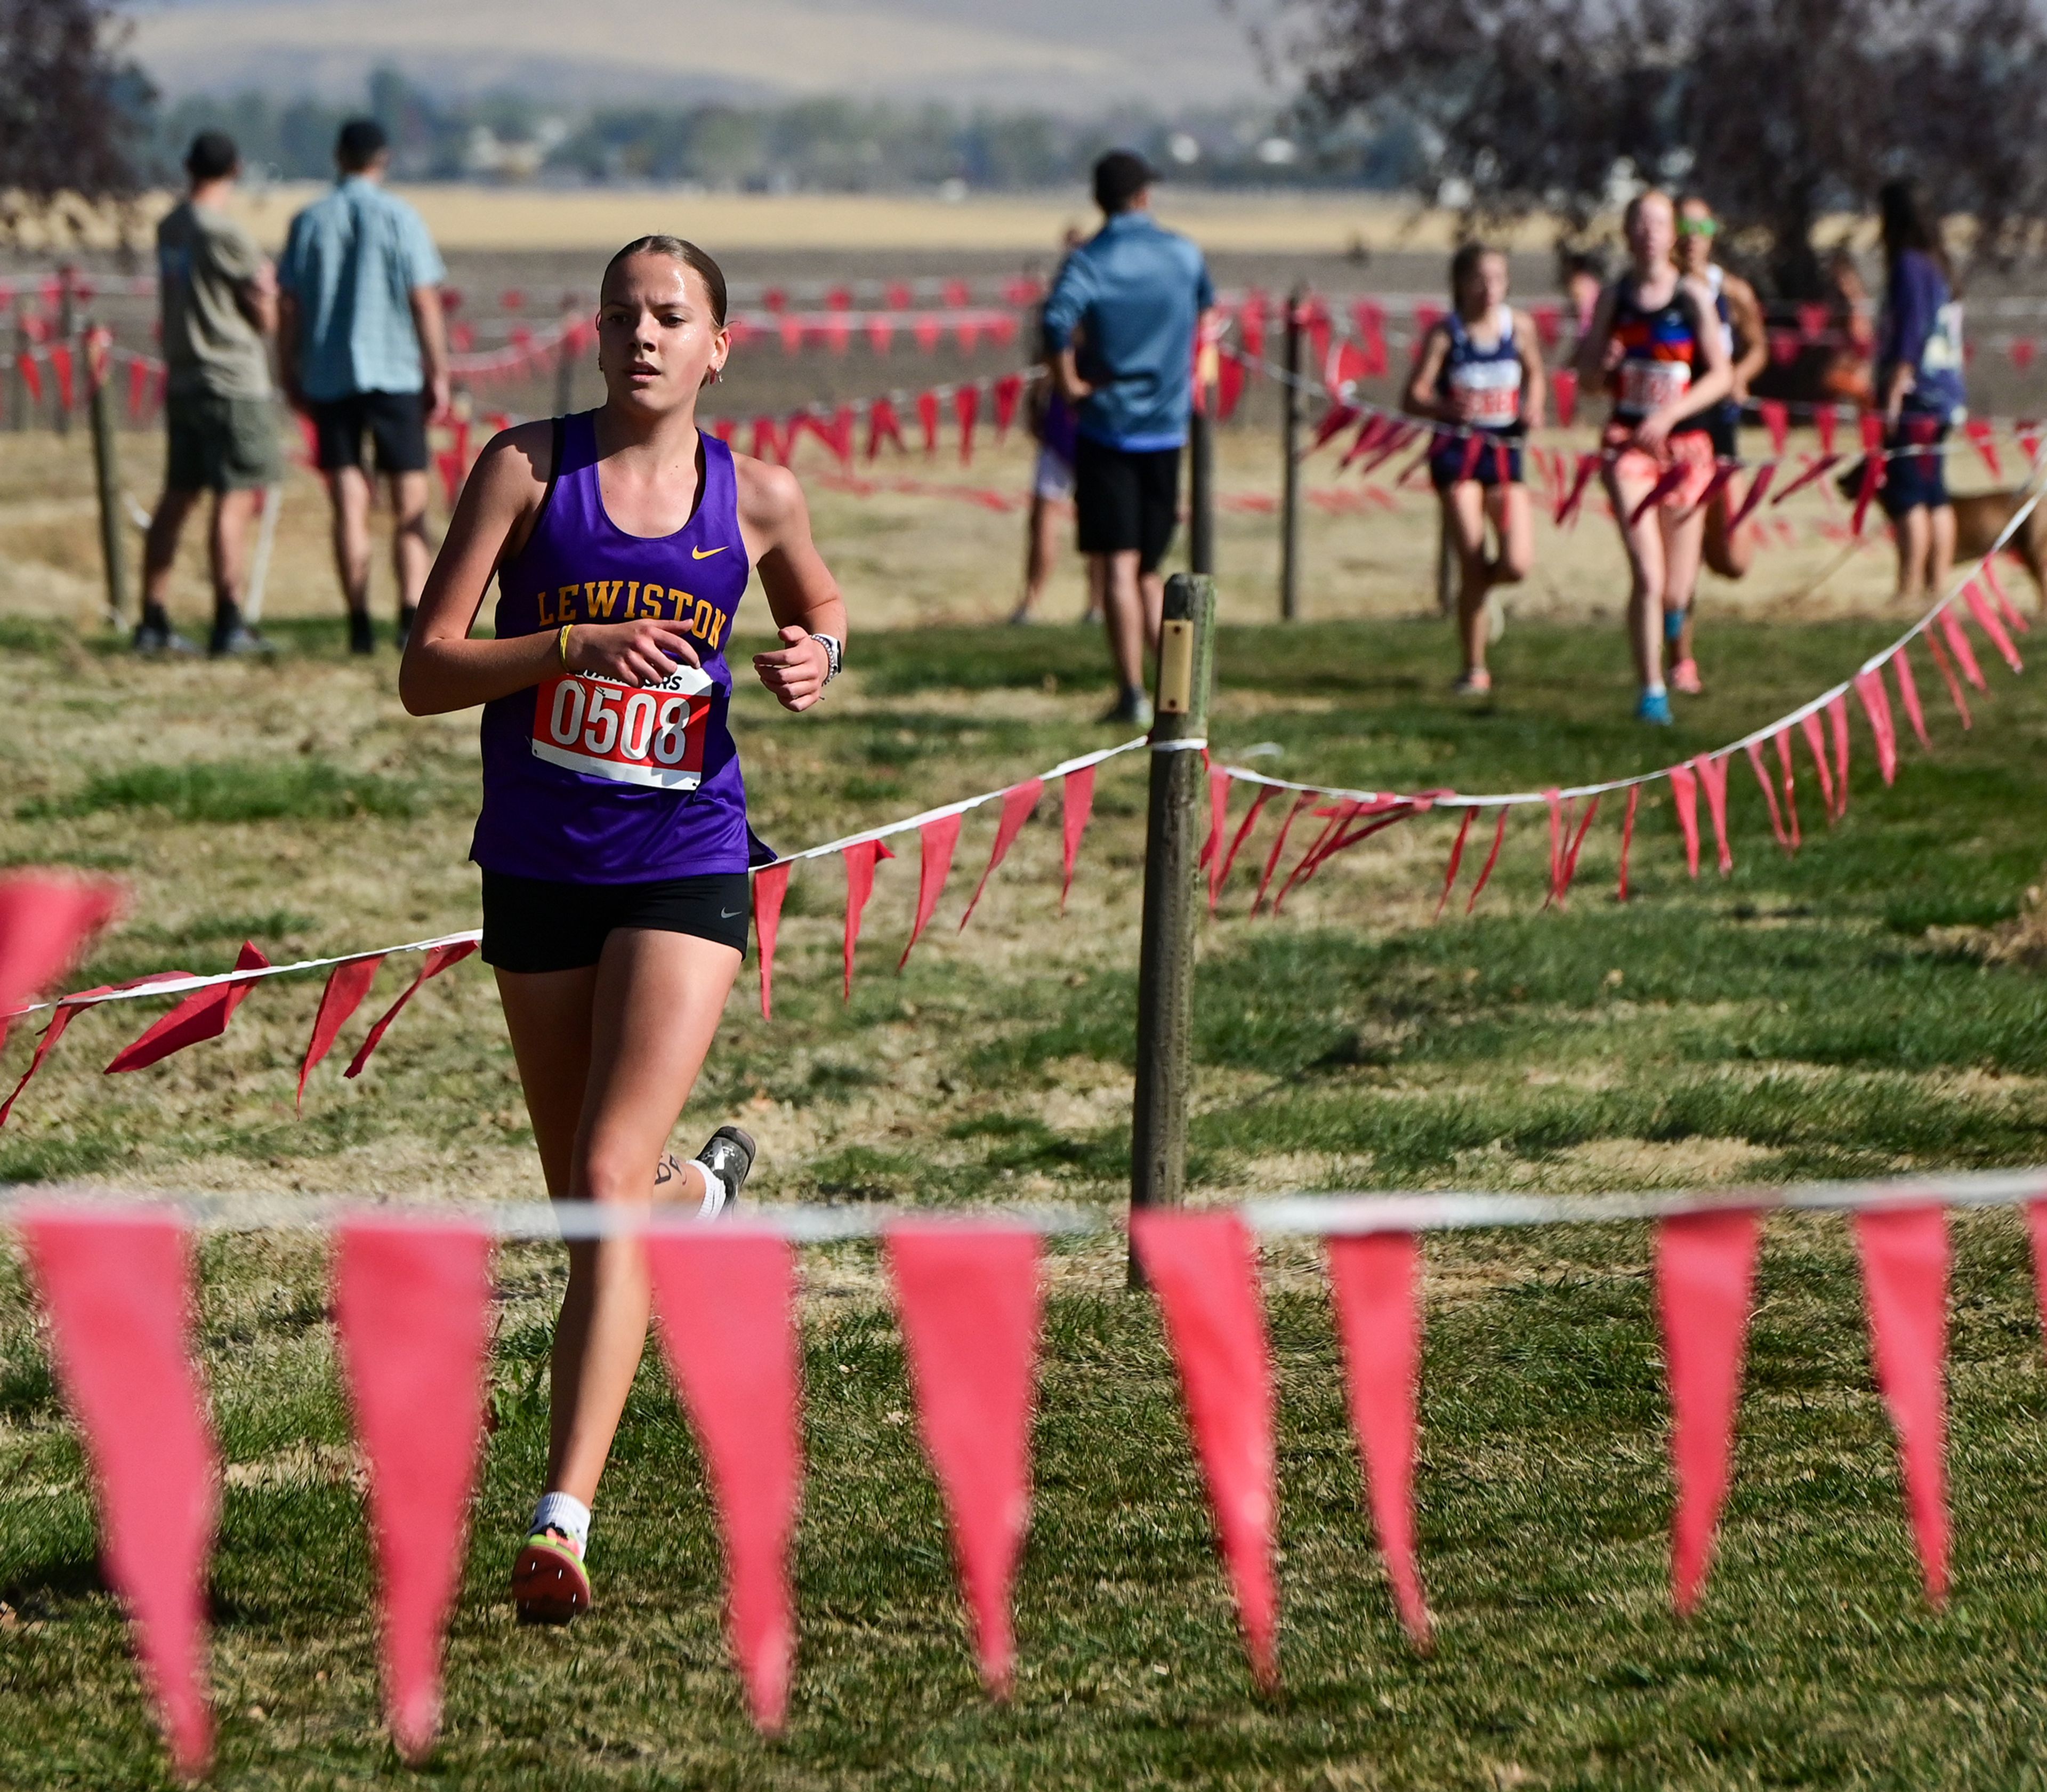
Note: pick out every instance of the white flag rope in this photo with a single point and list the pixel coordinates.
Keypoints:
(178, 983)
(1876, 662)
(1336, 1215)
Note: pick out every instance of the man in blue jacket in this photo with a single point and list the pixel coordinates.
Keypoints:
(1121, 327)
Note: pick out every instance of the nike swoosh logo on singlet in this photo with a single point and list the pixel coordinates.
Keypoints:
(705, 553)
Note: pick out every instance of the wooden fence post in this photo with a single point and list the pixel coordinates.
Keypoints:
(1173, 835)
(1289, 461)
(98, 343)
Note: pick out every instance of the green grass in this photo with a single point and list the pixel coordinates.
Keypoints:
(236, 791)
(1838, 1013)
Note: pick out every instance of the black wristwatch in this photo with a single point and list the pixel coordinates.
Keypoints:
(834, 652)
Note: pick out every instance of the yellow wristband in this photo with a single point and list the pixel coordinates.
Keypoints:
(562, 644)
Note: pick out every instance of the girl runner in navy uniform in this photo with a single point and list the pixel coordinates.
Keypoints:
(1656, 340)
(1481, 370)
(1730, 553)
(613, 840)
(1919, 384)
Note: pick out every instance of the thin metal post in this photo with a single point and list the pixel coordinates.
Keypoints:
(68, 334)
(1289, 461)
(1172, 850)
(98, 345)
(1200, 495)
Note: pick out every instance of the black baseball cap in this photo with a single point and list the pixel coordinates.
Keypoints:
(1120, 176)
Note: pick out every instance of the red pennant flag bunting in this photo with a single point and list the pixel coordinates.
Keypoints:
(1948, 674)
(1564, 387)
(935, 842)
(2013, 620)
(347, 984)
(1769, 794)
(1279, 846)
(970, 1302)
(412, 1305)
(967, 408)
(1685, 798)
(1824, 420)
(1958, 645)
(883, 425)
(1627, 838)
(1456, 859)
(1876, 697)
(1782, 739)
(927, 421)
(45, 919)
(1588, 466)
(1008, 393)
(203, 1015)
(860, 862)
(1376, 1280)
(1243, 830)
(1986, 620)
(1713, 780)
(767, 443)
(437, 961)
(1908, 695)
(1017, 803)
(1076, 807)
(118, 1294)
(1491, 859)
(1837, 725)
(1979, 433)
(771, 885)
(1904, 1252)
(1211, 849)
(1705, 1275)
(1777, 420)
(1809, 724)
(1203, 1268)
(62, 1017)
(725, 1306)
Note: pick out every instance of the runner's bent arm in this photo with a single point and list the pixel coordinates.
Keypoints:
(1420, 399)
(803, 596)
(1592, 370)
(1751, 334)
(443, 669)
(1535, 381)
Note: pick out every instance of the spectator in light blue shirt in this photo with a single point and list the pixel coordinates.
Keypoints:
(1121, 326)
(364, 348)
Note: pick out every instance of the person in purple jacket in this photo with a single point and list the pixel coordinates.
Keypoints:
(1919, 384)
(614, 839)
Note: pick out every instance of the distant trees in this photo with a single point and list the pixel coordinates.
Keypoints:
(72, 114)
(1777, 111)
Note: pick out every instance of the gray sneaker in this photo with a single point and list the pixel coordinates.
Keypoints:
(239, 642)
(1132, 709)
(154, 642)
(727, 1158)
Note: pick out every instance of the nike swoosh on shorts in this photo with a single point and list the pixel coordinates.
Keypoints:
(705, 553)
(728, 914)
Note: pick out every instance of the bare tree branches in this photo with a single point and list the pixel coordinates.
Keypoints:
(1777, 111)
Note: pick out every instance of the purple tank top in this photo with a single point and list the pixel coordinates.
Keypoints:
(589, 781)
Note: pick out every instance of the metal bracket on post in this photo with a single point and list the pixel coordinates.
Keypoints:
(1172, 853)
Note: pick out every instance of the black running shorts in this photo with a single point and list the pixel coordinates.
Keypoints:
(1127, 501)
(395, 422)
(533, 924)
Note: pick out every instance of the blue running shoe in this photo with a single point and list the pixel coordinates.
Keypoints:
(1654, 707)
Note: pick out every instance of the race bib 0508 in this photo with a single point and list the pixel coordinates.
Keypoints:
(1649, 385)
(651, 734)
(1490, 391)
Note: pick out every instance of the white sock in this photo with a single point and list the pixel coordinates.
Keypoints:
(716, 1193)
(1655, 690)
(566, 1514)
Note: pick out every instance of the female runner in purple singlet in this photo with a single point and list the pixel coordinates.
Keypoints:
(612, 840)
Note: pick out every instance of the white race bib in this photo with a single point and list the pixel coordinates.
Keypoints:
(1649, 385)
(651, 734)
(1489, 392)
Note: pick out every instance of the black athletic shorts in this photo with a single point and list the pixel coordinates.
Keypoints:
(1913, 480)
(395, 422)
(533, 924)
(1126, 500)
(1447, 466)
(1723, 425)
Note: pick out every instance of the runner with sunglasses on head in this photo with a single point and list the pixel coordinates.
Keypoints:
(614, 839)
(1746, 339)
(1655, 340)
(1481, 370)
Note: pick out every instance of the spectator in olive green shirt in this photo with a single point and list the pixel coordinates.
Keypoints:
(219, 298)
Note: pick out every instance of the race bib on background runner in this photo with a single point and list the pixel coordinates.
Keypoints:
(1489, 391)
(1649, 385)
(650, 734)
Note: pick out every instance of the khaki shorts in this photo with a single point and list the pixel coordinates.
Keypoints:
(220, 444)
